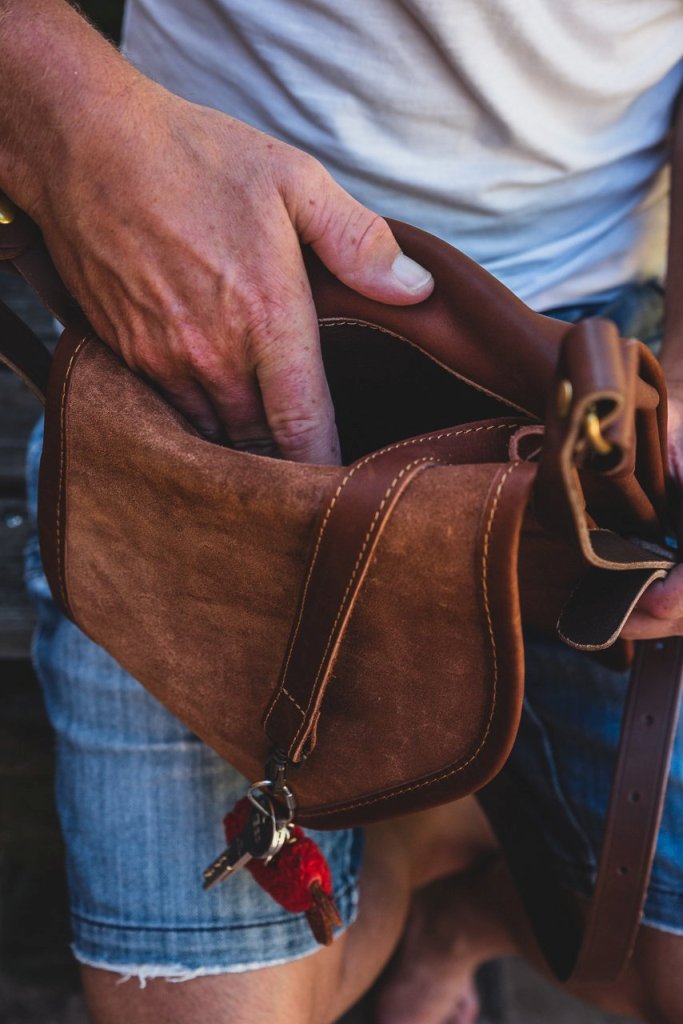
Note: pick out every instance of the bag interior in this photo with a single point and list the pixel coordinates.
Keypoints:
(386, 390)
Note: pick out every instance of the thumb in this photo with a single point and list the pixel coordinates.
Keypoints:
(358, 247)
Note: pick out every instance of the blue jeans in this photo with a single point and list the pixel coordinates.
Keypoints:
(141, 799)
(141, 803)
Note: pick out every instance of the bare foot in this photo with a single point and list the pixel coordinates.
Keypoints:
(450, 932)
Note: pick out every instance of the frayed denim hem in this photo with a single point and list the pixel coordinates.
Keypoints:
(176, 973)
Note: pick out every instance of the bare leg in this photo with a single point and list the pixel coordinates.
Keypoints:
(399, 857)
(458, 923)
(432, 979)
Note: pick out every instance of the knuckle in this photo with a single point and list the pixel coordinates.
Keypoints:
(366, 231)
(305, 172)
(255, 307)
(300, 432)
(148, 362)
(268, 319)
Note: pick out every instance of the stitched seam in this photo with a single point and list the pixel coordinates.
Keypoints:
(458, 768)
(62, 470)
(339, 322)
(293, 700)
(342, 607)
(328, 513)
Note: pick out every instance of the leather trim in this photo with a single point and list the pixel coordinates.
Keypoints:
(52, 489)
(500, 530)
(348, 529)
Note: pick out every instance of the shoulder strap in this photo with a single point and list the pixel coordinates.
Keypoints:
(598, 950)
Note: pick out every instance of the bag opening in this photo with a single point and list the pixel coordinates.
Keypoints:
(386, 389)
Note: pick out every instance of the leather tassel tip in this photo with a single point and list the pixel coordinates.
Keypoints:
(323, 916)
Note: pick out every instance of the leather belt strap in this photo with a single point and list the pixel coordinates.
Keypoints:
(598, 952)
(635, 809)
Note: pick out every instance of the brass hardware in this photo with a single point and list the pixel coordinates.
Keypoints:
(594, 433)
(7, 211)
(565, 393)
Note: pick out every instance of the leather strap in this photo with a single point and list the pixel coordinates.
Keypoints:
(23, 250)
(22, 247)
(345, 540)
(23, 353)
(635, 809)
(598, 951)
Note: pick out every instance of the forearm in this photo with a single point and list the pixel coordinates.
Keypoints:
(60, 83)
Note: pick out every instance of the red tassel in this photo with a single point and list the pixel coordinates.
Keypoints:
(298, 877)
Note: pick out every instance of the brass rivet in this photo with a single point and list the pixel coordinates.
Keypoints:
(6, 211)
(565, 393)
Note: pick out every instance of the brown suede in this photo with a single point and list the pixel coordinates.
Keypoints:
(187, 561)
(365, 620)
(370, 615)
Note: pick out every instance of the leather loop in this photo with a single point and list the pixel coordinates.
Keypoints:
(613, 392)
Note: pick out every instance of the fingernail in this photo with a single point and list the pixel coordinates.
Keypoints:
(410, 274)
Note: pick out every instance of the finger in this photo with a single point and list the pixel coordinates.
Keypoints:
(357, 245)
(641, 626)
(664, 598)
(190, 399)
(291, 377)
(237, 401)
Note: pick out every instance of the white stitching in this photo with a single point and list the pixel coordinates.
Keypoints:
(359, 559)
(293, 700)
(335, 497)
(458, 768)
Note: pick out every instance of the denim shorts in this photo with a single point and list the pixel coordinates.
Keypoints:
(141, 799)
(141, 803)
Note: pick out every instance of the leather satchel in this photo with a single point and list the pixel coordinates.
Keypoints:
(360, 627)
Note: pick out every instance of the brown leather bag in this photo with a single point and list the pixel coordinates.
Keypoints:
(362, 622)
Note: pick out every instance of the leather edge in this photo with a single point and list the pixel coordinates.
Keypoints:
(456, 780)
(52, 503)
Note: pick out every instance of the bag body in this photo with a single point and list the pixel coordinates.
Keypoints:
(359, 628)
(365, 620)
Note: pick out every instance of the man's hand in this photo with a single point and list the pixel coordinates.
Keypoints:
(181, 238)
(178, 229)
(659, 612)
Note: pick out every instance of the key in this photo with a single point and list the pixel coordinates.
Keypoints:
(260, 838)
(227, 863)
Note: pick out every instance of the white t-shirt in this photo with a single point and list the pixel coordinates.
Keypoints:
(529, 133)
